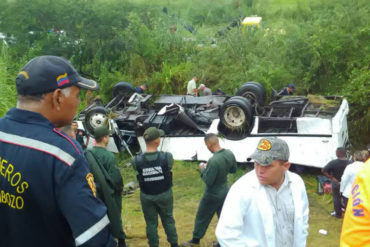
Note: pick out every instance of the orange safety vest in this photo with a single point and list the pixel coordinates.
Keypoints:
(356, 224)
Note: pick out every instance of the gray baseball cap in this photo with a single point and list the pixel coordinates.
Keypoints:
(270, 149)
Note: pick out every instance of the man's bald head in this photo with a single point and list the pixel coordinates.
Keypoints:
(212, 143)
(211, 138)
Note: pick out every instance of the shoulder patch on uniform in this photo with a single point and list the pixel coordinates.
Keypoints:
(91, 183)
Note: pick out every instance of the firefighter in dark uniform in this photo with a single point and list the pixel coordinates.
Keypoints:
(214, 175)
(108, 180)
(155, 181)
(47, 194)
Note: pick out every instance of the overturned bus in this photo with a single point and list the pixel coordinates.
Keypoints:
(313, 126)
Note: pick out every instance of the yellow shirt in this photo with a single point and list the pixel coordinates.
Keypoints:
(356, 224)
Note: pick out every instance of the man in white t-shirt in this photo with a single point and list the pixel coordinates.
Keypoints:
(192, 86)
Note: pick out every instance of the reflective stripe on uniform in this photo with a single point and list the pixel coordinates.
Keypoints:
(37, 145)
(92, 231)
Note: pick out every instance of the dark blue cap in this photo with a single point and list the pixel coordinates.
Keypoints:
(291, 85)
(46, 73)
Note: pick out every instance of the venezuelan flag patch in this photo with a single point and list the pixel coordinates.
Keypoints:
(62, 79)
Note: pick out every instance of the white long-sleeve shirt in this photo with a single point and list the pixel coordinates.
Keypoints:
(247, 217)
(349, 176)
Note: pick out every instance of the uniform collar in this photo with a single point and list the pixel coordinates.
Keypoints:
(99, 147)
(30, 117)
(219, 151)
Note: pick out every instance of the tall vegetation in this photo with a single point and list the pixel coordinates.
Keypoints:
(7, 90)
(321, 46)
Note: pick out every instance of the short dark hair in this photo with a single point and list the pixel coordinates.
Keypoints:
(149, 142)
(341, 152)
(99, 139)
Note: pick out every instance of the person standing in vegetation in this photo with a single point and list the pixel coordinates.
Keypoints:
(334, 171)
(192, 87)
(355, 228)
(109, 181)
(214, 174)
(349, 174)
(155, 181)
(48, 193)
(268, 206)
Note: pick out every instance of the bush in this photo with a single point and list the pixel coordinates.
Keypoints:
(320, 46)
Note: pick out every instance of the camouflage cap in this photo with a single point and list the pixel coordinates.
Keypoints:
(152, 133)
(270, 149)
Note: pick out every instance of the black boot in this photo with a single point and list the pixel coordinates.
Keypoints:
(121, 243)
(193, 242)
(174, 245)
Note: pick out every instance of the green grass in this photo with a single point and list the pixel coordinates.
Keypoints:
(320, 207)
(188, 189)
